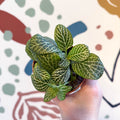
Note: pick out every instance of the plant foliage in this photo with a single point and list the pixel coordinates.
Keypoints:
(57, 60)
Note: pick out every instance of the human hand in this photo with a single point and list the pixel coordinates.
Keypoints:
(82, 105)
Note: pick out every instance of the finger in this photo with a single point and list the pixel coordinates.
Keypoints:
(94, 86)
(90, 83)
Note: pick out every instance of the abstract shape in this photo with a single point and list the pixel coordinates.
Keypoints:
(98, 47)
(1, 1)
(47, 7)
(20, 3)
(99, 26)
(2, 110)
(28, 68)
(29, 101)
(44, 25)
(111, 78)
(30, 12)
(17, 80)
(109, 34)
(21, 111)
(8, 52)
(11, 23)
(59, 16)
(8, 35)
(27, 30)
(107, 116)
(17, 58)
(110, 104)
(8, 89)
(112, 6)
(14, 69)
(77, 28)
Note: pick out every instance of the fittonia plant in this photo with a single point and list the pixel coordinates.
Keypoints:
(58, 65)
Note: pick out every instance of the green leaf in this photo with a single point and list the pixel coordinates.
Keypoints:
(78, 53)
(49, 61)
(50, 40)
(64, 63)
(63, 90)
(39, 84)
(63, 37)
(62, 55)
(50, 94)
(40, 79)
(41, 74)
(61, 75)
(43, 45)
(92, 68)
(28, 51)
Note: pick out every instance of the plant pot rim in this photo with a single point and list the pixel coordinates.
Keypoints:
(33, 64)
(77, 88)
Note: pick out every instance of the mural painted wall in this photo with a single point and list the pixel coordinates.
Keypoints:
(95, 23)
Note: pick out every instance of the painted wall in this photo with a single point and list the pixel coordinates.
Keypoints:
(95, 23)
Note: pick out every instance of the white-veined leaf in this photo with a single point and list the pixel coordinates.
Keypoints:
(63, 90)
(62, 55)
(91, 68)
(50, 94)
(64, 63)
(43, 45)
(40, 78)
(39, 84)
(61, 75)
(49, 61)
(63, 37)
(78, 53)
(41, 74)
(28, 51)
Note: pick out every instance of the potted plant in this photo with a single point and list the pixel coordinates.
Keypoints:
(59, 67)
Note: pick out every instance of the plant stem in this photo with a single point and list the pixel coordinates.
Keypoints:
(66, 53)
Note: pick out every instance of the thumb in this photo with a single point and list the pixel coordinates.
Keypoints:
(90, 83)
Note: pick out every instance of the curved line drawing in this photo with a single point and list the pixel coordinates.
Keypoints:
(112, 80)
(34, 96)
(114, 68)
(110, 104)
(112, 6)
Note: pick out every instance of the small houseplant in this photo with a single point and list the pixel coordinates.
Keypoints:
(59, 67)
